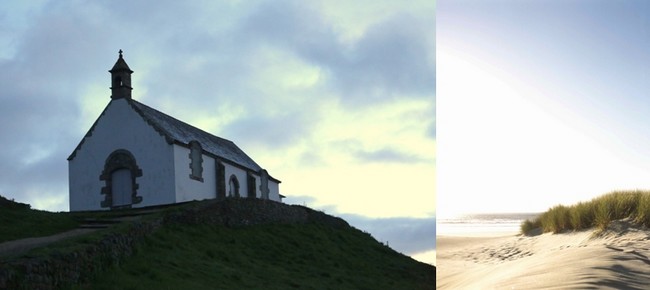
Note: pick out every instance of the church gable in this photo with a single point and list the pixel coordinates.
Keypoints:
(88, 134)
(115, 115)
(101, 175)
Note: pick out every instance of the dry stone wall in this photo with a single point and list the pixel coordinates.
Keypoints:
(239, 212)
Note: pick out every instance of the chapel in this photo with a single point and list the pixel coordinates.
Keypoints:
(136, 156)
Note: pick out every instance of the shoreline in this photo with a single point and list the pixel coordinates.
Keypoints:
(482, 224)
(616, 258)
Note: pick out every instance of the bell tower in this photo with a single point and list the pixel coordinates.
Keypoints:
(121, 79)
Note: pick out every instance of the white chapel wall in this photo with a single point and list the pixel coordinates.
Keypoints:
(274, 188)
(188, 189)
(274, 191)
(242, 177)
(122, 128)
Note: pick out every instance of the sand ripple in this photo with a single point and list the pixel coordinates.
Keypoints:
(617, 258)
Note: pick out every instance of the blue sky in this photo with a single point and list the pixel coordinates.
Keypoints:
(540, 102)
(334, 98)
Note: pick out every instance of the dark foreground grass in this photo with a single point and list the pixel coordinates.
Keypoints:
(598, 212)
(265, 257)
(18, 221)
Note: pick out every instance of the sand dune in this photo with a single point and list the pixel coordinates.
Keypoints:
(617, 258)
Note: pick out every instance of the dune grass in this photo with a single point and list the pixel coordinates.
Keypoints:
(598, 212)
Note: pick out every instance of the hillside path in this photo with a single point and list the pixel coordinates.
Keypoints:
(17, 247)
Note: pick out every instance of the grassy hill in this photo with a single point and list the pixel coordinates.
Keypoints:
(265, 257)
(196, 248)
(18, 220)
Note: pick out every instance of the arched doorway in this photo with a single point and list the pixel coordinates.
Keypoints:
(233, 186)
(120, 173)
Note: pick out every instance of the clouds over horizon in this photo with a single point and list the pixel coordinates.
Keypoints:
(285, 80)
(410, 236)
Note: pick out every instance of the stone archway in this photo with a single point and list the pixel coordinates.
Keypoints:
(120, 173)
(233, 186)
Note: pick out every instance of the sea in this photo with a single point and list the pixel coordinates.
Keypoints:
(492, 224)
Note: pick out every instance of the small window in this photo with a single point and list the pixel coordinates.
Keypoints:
(196, 161)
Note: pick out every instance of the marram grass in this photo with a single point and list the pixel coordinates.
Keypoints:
(598, 213)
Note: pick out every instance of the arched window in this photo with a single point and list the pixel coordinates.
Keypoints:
(233, 186)
(196, 161)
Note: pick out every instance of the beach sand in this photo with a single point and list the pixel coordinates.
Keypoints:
(617, 258)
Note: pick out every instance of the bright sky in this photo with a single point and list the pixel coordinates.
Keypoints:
(335, 98)
(540, 103)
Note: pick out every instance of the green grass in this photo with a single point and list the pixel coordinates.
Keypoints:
(598, 212)
(18, 220)
(309, 256)
(306, 256)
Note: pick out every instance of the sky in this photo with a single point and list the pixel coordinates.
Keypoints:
(335, 98)
(540, 103)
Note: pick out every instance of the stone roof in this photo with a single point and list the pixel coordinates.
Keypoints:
(176, 131)
(179, 132)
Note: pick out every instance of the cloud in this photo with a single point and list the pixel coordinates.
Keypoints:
(394, 58)
(41, 82)
(388, 155)
(37, 181)
(431, 132)
(391, 60)
(304, 200)
(38, 115)
(270, 132)
(407, 235)
(296, 27)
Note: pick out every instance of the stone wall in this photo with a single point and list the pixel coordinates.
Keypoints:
(78, 266)
(75, 266)
(238, 212)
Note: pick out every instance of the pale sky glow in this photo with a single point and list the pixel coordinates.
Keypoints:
(540, 103)
(335, 98)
